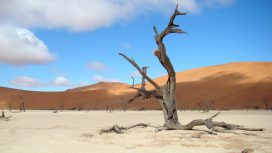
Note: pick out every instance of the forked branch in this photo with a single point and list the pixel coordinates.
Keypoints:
(171, 27)
(157, 87)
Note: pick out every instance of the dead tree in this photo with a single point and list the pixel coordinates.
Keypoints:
(22, 103)
(166, 94)
(200, 106)
(60, 106)
(124, 102)
(266, 102)
(107, 108)
(79, 106)
(10, 106)
(111, 109)
(205, 106)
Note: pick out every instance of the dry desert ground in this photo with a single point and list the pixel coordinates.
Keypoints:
(77, 132)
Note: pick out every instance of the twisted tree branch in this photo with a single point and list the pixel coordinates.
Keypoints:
(157, 87)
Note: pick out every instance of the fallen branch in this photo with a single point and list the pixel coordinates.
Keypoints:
(120, 129)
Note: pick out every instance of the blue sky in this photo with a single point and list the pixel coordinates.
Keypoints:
(45, 47)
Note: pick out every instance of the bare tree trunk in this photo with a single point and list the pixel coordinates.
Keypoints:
(166, 94)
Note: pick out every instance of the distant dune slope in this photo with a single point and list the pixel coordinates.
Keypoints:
(229, 86)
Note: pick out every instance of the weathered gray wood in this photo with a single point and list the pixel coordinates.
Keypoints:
(166, 95)
(213, 126)
(120, 129)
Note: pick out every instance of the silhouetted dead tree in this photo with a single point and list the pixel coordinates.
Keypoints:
(107, 107)
(79, 106)
(166, 94)
(111, 109)
(60, 106)
(22, 103)
(10, 106)
(266, 102)
(206, 106)
(124, 102)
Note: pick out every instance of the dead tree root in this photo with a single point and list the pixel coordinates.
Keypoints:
(213, 126)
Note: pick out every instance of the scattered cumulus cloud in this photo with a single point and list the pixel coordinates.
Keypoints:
(61, 81)
(100, 78)
(19, 46)
(97, 66)
(82, 15)
(191, 6)
(26, 81)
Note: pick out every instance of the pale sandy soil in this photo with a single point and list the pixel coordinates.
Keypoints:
(77, 132)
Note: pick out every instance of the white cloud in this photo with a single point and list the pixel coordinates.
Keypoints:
(61, 81)
(100, 78)
(19, 46)
(80, 15)
(26, 81)
(188, 5)
(219, 2)
(97, 66)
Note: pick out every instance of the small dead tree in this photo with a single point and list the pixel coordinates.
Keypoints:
(166, 94)
(10, 106)
(205, 106)
(200, 106)
(182, 107)
(22, 103)
(79, 106)
(107, 108)
(111, 110)
(124, 102)
(266, 102)
(61, 106)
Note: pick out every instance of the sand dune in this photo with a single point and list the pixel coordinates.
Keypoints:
(228, 86)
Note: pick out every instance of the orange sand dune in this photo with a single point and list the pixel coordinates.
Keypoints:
(229, 86)
(114, 88)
